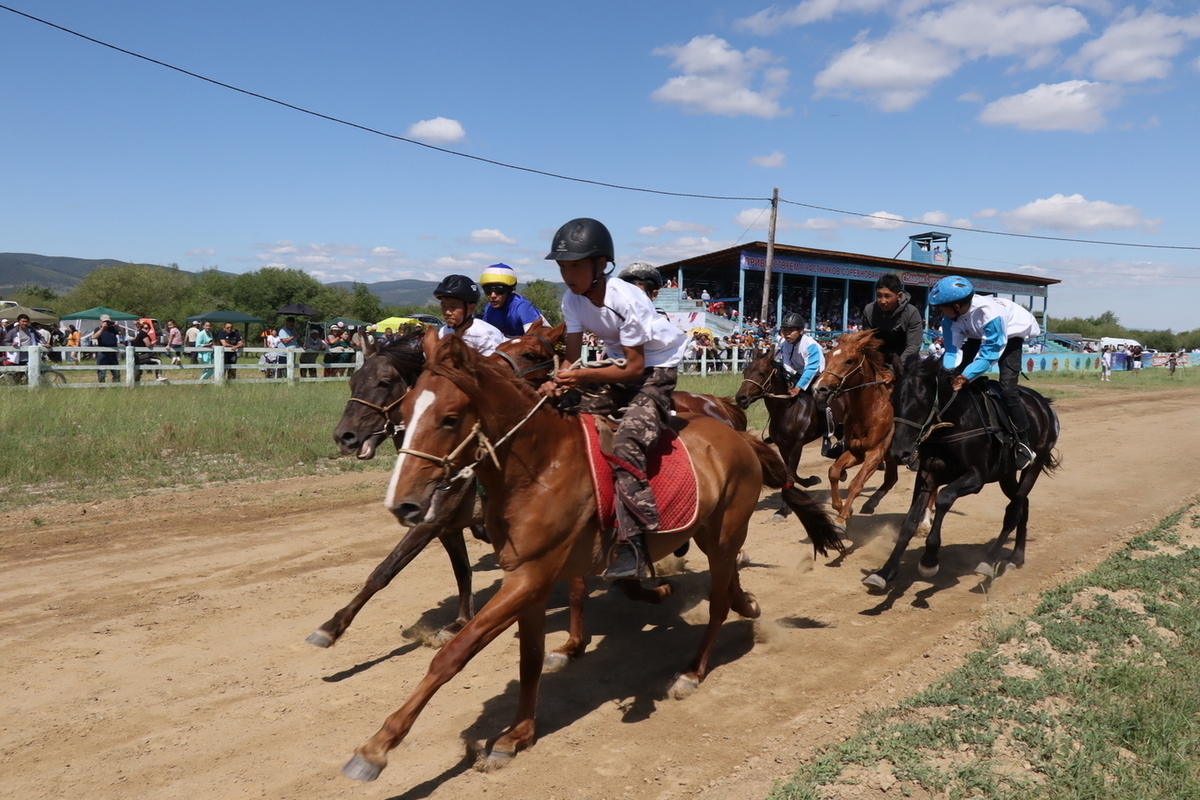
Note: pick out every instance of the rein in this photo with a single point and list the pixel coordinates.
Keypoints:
(762, 386)
(935, 416)
(551, 362)
(841, 387)
(389, 428)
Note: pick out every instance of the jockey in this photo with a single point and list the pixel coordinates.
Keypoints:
(898, 326)
(988, 331)
(802, 360)
(507, 310)
(622, 315)
(459, 296)
(799, 353)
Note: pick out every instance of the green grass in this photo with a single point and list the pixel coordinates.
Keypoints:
(1096, 695)
(66, 445)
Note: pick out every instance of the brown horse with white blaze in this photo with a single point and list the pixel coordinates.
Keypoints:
(466, 413)
(854, 373)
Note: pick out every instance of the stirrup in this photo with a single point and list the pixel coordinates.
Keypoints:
(832, 448)
(629, 561)
(1023, 455)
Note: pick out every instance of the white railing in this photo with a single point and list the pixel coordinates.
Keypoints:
(81, 362)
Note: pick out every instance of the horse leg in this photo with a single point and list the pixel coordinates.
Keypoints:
(576, 638)
(890, 475)
(413, 542)
(837, 473)
(531, 627)
(456, 547)
(870, 463)
(969, 483)
(1016, 517)
(791, 459)
(518, 593)
(922, 495)
(721, 571)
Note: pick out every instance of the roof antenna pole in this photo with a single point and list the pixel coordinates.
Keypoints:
(766, 295)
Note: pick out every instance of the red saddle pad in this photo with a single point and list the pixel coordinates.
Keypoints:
(672, 478)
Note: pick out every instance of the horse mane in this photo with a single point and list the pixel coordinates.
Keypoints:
(869, 344)
(406, 355)
(468, 371)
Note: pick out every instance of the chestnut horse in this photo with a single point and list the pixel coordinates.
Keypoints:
(792, 421)
(372, 414)
(854, 373)
(468, 416)
(951, 439)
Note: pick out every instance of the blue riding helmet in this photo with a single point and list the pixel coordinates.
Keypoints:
(950, 290)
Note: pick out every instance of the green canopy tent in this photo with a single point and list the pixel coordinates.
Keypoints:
(347, 321)
(221, 317)
(88, 320)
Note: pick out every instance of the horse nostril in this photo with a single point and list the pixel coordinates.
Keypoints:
(347, 437)
(408, 513)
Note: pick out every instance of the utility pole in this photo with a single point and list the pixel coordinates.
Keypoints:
(766, 297)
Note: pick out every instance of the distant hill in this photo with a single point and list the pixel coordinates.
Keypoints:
(59, 273)
(398, 293)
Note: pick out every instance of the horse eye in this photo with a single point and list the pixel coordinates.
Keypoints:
(385, 384)
(449, 421)
(529, 356)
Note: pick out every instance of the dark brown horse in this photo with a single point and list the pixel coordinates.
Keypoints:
(792, 420)
(854, 374)
(467, 415)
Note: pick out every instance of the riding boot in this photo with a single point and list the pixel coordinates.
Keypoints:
(1023, 451)
(831, 445)
(637, 514)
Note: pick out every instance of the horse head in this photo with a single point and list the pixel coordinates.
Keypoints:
(456, 415)
(915, 400)
(854, 360)
(757, 378)
(372, 414)
(534, 354)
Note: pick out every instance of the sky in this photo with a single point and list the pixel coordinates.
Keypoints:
(876, 120)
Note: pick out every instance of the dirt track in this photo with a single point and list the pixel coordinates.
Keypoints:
(154, 646)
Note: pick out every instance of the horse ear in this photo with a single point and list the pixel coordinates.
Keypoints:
(455, 351)
(368, 344)
(555, 334)
(430, 343)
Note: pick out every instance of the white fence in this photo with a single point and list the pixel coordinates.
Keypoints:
(75, 371)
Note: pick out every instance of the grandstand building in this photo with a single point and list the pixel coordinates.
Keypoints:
(829, 288)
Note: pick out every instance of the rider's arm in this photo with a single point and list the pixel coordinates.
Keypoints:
(812, 365)
(951, 340)
(990, 348)
(635, 365)
(914, 333)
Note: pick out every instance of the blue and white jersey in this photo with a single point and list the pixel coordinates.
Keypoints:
(479, 336)
(514, 318)
(802, 361)
(991, 320)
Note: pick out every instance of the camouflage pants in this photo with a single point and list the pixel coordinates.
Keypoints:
(647, 403)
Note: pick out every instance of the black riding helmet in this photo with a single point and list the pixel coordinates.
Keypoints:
(793, 320)
(582, 238)
(460, 287)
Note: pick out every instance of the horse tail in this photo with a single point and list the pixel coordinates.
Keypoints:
(736, 416)
(812, 515)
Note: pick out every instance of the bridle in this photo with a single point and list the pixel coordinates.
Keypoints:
(841, 379)
(926, 429)
(553, 361)
(389, 428)
(766, 382)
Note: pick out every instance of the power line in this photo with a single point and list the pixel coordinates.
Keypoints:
(992, 233)
(556, 175)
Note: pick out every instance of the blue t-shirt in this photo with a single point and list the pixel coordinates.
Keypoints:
(513, 316)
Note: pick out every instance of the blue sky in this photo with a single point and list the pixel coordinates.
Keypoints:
(1060, 119)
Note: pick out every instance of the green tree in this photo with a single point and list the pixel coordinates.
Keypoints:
(364, 304)
(142, 289)
(546, 298)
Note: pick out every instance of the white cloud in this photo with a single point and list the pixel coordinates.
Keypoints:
(1069, 106)
(1136, 47)
(990, 29)
(776, 160)
(892, 73)
(717, 79)
(438, 130)
(879, 221)
(683, 247)
(774, 19)
(383, 252)
(1076, 214)
(490, 236)
(203, 251)
(674, 226)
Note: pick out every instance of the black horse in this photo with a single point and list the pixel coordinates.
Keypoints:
(959, 441)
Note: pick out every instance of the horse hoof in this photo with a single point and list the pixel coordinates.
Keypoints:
(554, 662)
(442, 636)
(985, 569)
(927, 572)
(839, 525)
(779, 517)
(749, 607)
(493, 761)
(359, 769)
(743, 559)
(320, 638)
(811, 480)
(684, 687)
(874, 581)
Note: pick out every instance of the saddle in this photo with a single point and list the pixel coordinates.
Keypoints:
(999, 424)
(672, 477)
